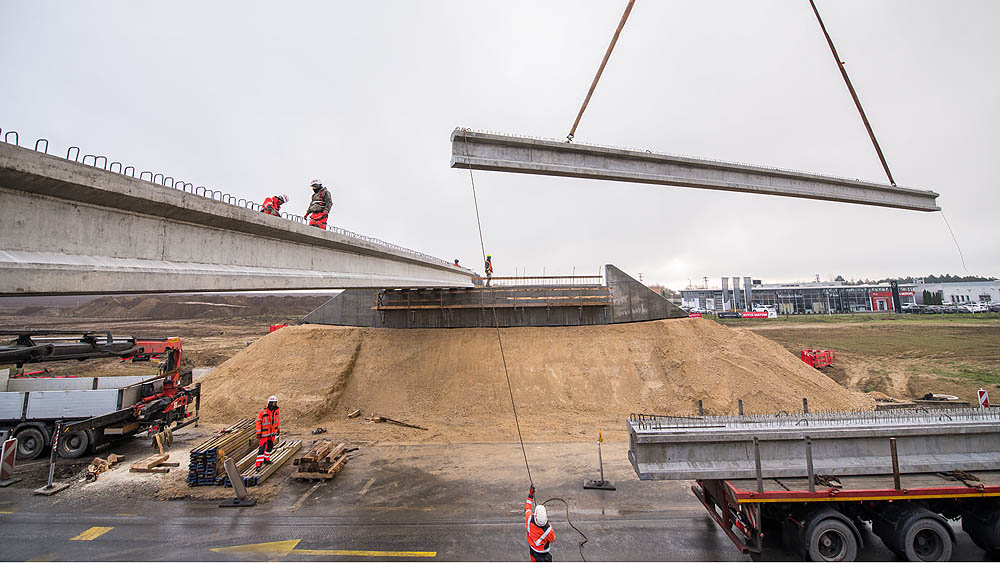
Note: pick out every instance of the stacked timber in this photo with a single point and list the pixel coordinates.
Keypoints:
(322, 461)
(205, 465)
(252, 475)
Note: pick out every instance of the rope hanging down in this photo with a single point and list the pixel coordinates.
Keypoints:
(850, 87)
(496, 322)
(600, 70)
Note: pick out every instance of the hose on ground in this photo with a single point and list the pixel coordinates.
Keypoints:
(571, 525)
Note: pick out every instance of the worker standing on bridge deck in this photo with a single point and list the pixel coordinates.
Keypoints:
(272, 205)
(489, 269)
(540, 532)
(268, 430)
(319, 206)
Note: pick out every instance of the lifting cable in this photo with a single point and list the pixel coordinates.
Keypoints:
(496, 322)
(496, 325)
(868, 126)
(854, 95)
(600, 70)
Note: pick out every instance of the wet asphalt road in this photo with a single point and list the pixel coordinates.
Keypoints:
(427, 502)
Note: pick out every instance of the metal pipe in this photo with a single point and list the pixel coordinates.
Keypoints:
(739, 405)
(895, 464)
(805, 405)
(809, 465)
(756, 461)
(701, 408)
(52, 454)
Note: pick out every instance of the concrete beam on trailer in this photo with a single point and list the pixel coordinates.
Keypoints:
(853, 443)
(70, 228)
(506, 153)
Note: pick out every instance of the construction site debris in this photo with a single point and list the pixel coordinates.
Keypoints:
(100, 465)
(319, 430)
(322, 461)
(354, 414)
(207, 459)
(567, 378)
(376, 418)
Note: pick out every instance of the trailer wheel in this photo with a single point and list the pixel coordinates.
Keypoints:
(926, 539)
(30, 443)
(73, 445)
(983, 526)
(831, 540)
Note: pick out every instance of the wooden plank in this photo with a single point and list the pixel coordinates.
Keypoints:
(149, 462)
(149, 470)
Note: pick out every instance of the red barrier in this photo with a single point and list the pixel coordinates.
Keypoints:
(754, 314)
(276, 327)
(694, 315)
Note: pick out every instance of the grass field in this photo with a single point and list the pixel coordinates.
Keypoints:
(955, 318)
(905, 356)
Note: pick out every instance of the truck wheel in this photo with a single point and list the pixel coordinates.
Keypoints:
(984, 528)
(831, 540)
(30, 443)
(926, 539)
(73, 445)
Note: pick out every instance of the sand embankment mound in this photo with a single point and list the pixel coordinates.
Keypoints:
(567, 381)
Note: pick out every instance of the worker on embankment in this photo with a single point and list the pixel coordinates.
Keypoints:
(268, 430)
(320, 205)
(272, 205)
(489, 269)
(540, 532)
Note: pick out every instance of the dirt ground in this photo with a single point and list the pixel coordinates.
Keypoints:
(904, 359)
(567, 382)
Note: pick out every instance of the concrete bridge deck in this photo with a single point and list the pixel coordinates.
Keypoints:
(73, 228)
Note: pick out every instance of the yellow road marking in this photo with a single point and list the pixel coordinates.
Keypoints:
(93, 533)
(125, 514)
(285, 547)
(6, 512)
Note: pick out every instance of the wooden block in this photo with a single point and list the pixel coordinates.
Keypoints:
(149, 462)
(149, 470)
(170, 464)
(354, 414)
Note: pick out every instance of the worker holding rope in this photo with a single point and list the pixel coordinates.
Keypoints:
(539, 530)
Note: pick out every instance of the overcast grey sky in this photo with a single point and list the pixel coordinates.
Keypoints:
(257, 98)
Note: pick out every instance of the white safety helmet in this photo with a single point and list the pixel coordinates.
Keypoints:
(284, 198)
(316, 182)
(541, 516)
(272, 399)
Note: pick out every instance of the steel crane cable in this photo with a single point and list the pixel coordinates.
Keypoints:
(600, 69)
(496, 322)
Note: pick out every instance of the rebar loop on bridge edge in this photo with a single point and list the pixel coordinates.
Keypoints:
(817, 420)
(223, 197)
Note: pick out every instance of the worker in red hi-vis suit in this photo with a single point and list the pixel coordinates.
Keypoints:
(272, 205)
(540, 532)
(319, 206)
(268, 430)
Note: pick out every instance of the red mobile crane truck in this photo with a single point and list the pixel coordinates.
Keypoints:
(93, 410)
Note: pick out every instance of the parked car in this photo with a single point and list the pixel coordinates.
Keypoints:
(995, 308)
